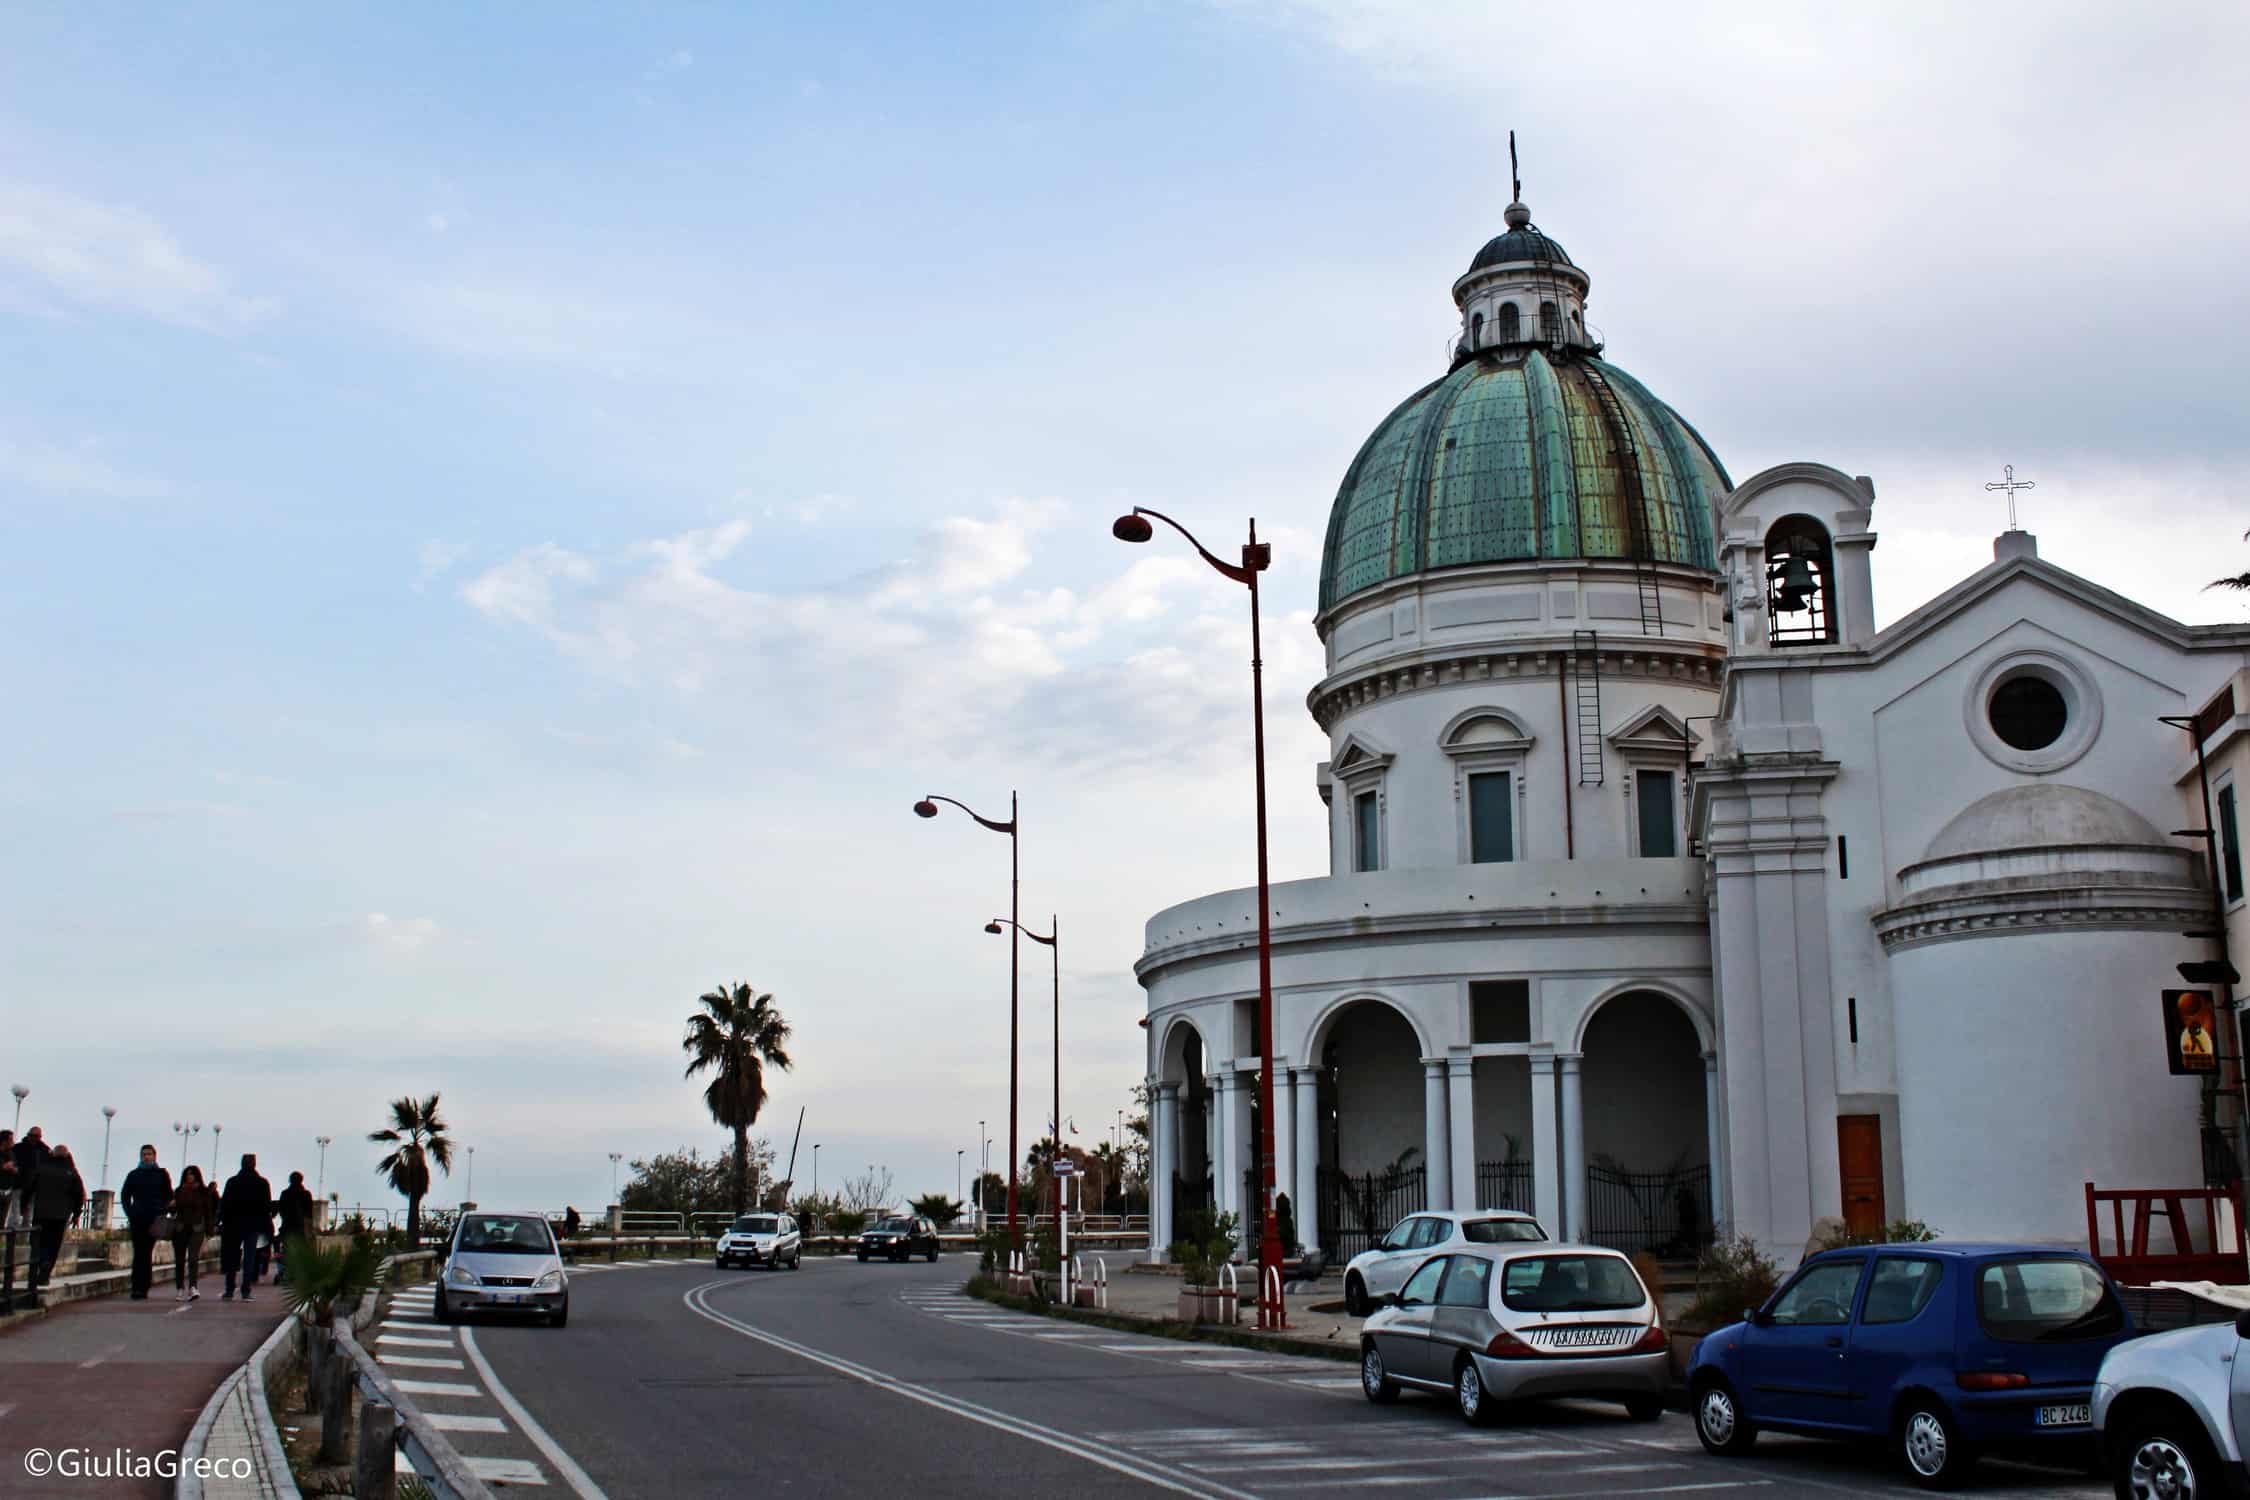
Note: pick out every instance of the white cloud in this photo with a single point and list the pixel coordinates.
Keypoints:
(399, 934)
(437, 559)
(108, 255)
(80, 470)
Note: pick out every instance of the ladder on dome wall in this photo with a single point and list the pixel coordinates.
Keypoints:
(1586, 673)
(1641, 530)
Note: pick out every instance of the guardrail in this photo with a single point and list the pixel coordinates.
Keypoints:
(436, 1462)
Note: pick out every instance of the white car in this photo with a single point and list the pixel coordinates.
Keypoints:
(503, 1263)
(769, 1240)
(1375, 1273)
(2171, 1410)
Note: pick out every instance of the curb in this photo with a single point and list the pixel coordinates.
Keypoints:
(1185, 1333)
(190, 1486)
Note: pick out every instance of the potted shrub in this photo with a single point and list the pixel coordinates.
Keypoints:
(1207, 1243)
(1731, 1276)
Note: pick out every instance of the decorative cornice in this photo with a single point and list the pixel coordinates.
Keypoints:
(1643, 913)
(1648, 658)
(2003, 908)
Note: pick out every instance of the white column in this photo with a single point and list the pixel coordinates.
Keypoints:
(1306, 1118)
(1437, 1153)
(1164, 1161)
(1245, 1157)
(1226, 1182)
(1546, 1155)
(1573, 1148)
(1714, 1132)
(1284, 1139)
(1461, 1112)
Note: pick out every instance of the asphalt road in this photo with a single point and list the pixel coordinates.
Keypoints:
(847, 1379)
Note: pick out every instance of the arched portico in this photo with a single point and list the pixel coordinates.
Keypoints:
(1181, 1115)
(1639, 1133)
(1377, 1122)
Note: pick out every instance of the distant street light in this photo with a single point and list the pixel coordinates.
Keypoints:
(215, 1129)
(21, 1094)
(816, 1169)
(1257, 556)
(927, 808)
(109, 1113)
(614, 1158)
(186, 1133)
(321, 1183)
(1053, 943)
(471, 1193)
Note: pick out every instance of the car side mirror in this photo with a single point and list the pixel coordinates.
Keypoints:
(2242, 1326)
(1394, 1299)
(1757, 1317)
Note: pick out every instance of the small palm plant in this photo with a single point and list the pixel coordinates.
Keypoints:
(420, 1137)
(735, 1034)
(325, 1277)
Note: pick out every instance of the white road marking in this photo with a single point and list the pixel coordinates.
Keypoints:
(1364, 1481)
(414, 1363)
(400, 1341)
(565, 1465)
(431, 1388)
(1147, 1470)
(446, 1421)
(1682, 1489)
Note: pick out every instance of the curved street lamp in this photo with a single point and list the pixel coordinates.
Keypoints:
(927, 808)
(1257, 556)
(1052, 942)
(320, 1188)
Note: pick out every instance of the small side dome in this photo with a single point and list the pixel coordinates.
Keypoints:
(2048, 815)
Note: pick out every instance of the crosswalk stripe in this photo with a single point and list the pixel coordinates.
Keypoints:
(436, 1388)
(397, 1341)
(446, 1421)
(507, 1470)
(416, 1362)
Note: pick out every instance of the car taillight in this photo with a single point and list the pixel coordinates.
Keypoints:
(1506, 1345)
(1652, 1340)
(1990, 1380)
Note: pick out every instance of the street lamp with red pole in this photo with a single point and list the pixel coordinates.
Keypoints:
(1257, 556)
(1054, 933)
(927, 808)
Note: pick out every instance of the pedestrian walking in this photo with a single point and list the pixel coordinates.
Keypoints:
(296, 1206)
(27, 1154)
(195, 1210)
(58, 1193)
(9, 1180)
(245, 1213)
(571, 1222)
(145, 1197)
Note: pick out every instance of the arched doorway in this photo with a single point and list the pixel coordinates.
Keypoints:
(1371, 1125)
(1189, 1184)
(1647, 1182)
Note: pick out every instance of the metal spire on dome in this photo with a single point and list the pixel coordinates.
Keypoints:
(1517, 215)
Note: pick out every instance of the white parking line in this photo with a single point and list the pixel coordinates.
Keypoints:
(565, 1465)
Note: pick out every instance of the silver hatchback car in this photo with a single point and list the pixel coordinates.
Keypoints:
(503, 1263)
(1497, 1323)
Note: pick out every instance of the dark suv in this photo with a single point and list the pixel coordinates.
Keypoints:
(899, 1239)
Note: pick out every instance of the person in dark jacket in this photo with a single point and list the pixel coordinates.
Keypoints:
(27, 1154)
(9, 1181)
(57, 1195)
(195, 1211)
(146, 1194)
(245, 1212)
(296, 1206)
(571, 1221)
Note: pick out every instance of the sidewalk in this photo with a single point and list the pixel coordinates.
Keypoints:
(110, 1373)
(1155, 1296)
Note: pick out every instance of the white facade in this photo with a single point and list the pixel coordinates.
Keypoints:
(1760, 930)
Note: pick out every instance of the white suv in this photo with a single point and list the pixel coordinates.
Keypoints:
(769, 1240)
(1375, 1273)
(2171, 1410)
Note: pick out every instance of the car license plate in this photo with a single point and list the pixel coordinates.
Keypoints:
(2064, 1416)
(1580, 1338)
(507, 1296)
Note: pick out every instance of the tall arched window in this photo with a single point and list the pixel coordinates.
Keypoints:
(1511, 324)
(1550, 322)
(1476, 330)
(1800, 584)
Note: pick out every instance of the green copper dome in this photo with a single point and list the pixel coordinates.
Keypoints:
(1518, 455)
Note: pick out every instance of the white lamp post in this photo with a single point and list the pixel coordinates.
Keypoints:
(321, 1182)
(186, 1133)
(21, 1094)
(215, 1129)
(109, 1113)
(614, 1158)
(471, 1194)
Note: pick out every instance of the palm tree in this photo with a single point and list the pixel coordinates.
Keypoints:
(420, 1137)
(735, 1034)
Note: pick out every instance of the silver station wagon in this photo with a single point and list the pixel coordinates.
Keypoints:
(1496, 1323)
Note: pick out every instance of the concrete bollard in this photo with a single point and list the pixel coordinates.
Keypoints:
(375, 1465)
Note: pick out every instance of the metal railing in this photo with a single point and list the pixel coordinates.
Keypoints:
(1664, 1213)
(1505, 1184)
(1356, 1211)
(436, 1461)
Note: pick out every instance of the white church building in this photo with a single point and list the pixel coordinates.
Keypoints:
(1667, 894)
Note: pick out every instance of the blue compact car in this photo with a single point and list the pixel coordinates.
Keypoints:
(1940, 1350)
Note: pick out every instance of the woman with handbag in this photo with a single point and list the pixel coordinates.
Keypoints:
(195, 1209)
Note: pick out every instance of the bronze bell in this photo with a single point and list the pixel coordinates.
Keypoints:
(1795, 577)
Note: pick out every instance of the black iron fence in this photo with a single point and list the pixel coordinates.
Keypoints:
(1664, 1213)
(1191, 1197)
(1356, 1211)
(16, 1255)
(1505, 1184)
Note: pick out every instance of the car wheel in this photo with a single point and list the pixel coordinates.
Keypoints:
(1478, 1407)
(1355, 1296)
(933, 1255)
(1932, 1449)
(1719, 1421)
(1644, 1408)
(1374, 1381)
(863, 1257)
(445, 1312)
(722, 1263)
(559, 1316)
(2166, 1461)
(797, 1261)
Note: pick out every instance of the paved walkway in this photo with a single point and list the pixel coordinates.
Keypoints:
(112, 1374)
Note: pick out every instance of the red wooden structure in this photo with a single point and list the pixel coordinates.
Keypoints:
(2205, 1230)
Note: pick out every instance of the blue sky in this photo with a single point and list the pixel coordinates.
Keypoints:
(505, 509)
